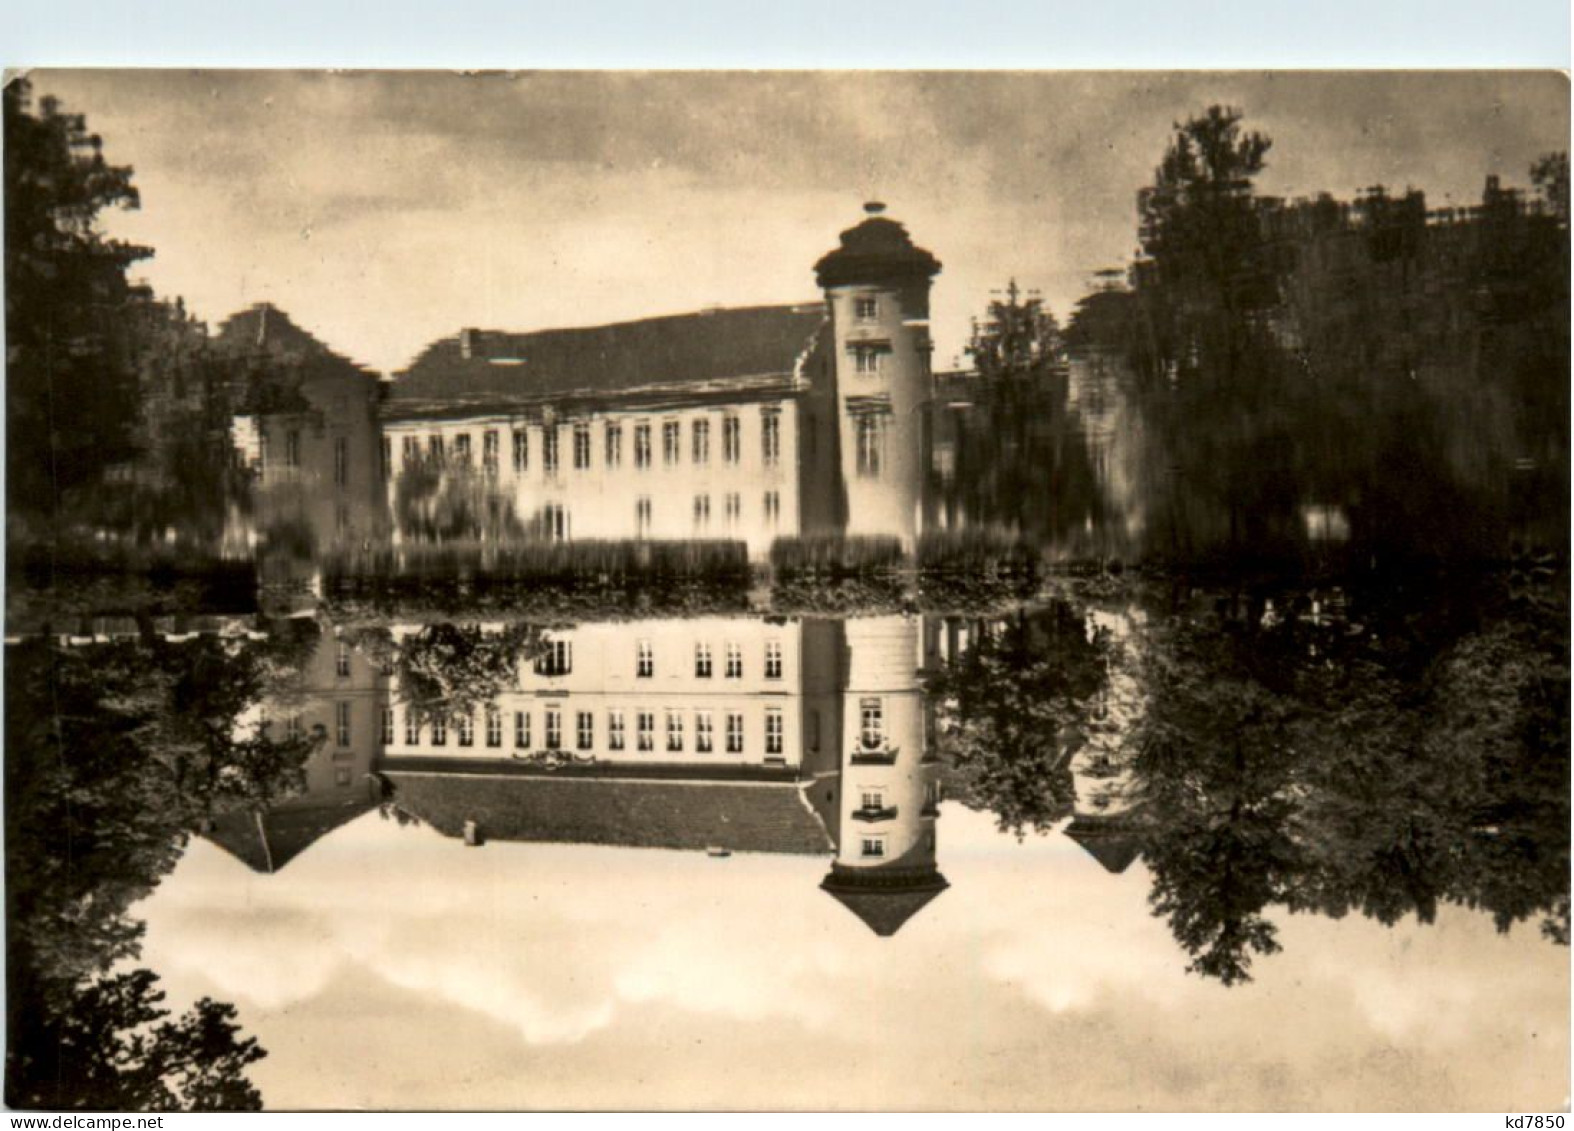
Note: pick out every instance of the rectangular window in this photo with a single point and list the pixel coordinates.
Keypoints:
(341, 660)
(388, 726)
(868, 446)
(702, 732)
(549, 449)
(466, 729)
(494, 727)
(871, 728)
(521, 450)
(615, 730)
(614, 444)
(412, 728)
(343, 775)
(734, 660)
(702, 664)
(489, 451)
(462, 449)
(554, 522)
(554, 728)
(731, 438)
(557, 658)
(773, 507)
(644, 660)
(646, 732)
(581, 446)
(642, 445)
(585, 731)
(387, 467)
(865, 309)
(434, 450)
(866, 359)
(734, 733)
(292, 448)
(872, 801)
(701, 513)
(700, 431)
(342, 721)
(873, 846)
(642, 516)
(341, 461)
(734, 509)
(670, 443)
(771, 436)
(522, 730)
(773, 659)
(292, 727)
(411, 449)
(439, 730)
(674, 732)
(773, 732)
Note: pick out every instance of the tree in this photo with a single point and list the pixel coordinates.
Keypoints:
(111, 1047)
(71, 391)
(1013, 709)
(446, 670)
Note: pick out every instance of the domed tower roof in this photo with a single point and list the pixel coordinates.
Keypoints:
(879, 250)
(884, 898)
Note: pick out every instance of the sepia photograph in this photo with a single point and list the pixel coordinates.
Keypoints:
(817, 590)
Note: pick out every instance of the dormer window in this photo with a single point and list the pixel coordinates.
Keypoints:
(866, 308)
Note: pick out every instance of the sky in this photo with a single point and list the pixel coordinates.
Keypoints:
(384, 210)
(391, 967)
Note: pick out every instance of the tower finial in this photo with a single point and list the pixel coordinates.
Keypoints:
(874, 207)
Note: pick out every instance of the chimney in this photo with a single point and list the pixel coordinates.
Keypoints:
(467, 343)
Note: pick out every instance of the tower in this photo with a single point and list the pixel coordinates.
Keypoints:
(876, 286)
(885, 870)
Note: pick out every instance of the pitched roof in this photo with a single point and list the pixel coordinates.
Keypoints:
(1109, 840)
(884, 898)
(284, 832)
(729, 350)
(264, 328)
(740, 817)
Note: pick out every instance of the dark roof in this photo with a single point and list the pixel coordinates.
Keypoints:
(288, 830)
(884, 898)
(725, 350)
(265, 329)
(1109, 840)
(766, 817)
(875, 251)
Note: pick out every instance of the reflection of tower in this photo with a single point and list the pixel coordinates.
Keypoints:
(877, 287)
(884, 870)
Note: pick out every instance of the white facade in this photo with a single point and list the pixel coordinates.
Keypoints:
(707, 692)
(698, 472)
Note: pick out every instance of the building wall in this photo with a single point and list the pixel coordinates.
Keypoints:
(341, 764)
(883, 482)
(603, 677)
(603, 499)
(884, 658)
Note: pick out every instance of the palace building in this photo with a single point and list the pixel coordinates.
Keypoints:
(748, 424)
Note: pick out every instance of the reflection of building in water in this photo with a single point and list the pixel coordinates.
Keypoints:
(747, 424)
(736, 735)
(343, 697)
(1105, 809)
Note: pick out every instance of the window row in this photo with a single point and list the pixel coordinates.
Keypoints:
(436, 448)
(704, 667)
(552, 735)
(732, 512)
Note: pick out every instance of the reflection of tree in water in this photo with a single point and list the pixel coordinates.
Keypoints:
(445, 670)
(115, 753)
(1404, 752)
(1013, 708)
(1418, 759)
